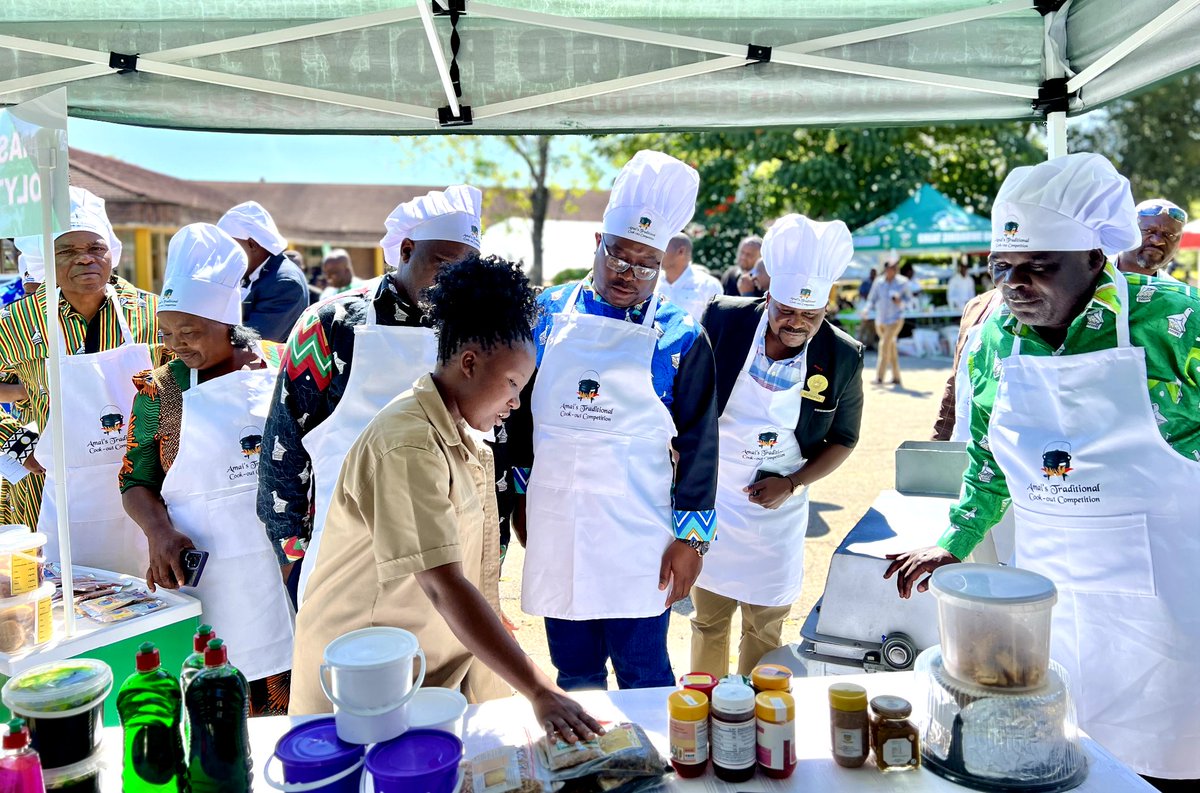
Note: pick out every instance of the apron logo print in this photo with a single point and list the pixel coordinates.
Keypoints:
(1145, 293)
(112, 421)
(767, 440)
(816, 388)
(1177, 323)
(1095, 319)
(589, 386)
(251, 441)
(1056, 460)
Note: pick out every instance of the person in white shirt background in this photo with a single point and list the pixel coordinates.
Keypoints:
(338, 270)
(687, 285)
(961, 288)
(1161, 223)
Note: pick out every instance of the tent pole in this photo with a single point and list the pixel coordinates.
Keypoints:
(1147, 32)
(1056, 135)
(439, 57)
(47, 164)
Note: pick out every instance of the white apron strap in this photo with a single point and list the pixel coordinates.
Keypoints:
(647, 321)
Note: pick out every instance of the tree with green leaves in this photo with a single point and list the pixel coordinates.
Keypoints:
(527, 178)
(1153, 138)
(749, 178)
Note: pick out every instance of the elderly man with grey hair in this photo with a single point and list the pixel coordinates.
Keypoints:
(687, 285)
(338, 269)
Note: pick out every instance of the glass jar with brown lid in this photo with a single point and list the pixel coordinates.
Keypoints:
(894, 739)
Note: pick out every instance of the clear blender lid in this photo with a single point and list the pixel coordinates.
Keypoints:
(987, 584)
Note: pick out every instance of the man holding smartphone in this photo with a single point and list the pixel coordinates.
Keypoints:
(789, 395)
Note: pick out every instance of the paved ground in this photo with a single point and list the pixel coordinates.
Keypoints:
(890, 416)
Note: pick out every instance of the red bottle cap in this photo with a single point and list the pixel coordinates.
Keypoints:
(147, 658)
(17, 736)
(204, 635)
(216, 654)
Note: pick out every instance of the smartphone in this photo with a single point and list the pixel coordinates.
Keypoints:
(760, 475)
(193, 562)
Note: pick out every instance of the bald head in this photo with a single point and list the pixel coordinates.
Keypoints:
(338, 268)
(677, 257)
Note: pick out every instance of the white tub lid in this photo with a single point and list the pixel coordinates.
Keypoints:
(431, 706)
(993, 584)
(371, 647)
(20, 538)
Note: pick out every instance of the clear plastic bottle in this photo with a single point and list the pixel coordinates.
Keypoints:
(218, 706)
(150, 707)
(20, 766)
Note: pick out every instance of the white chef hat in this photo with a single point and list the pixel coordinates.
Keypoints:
(804, 258)
(205, 267)
(87, 214)
(452, 215)
(1077, 202)
(652, 199)
(250, 221)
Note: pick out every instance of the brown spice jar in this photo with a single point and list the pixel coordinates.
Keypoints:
(848, 724)
(894, 738)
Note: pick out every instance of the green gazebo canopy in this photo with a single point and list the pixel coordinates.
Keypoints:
(927, 221)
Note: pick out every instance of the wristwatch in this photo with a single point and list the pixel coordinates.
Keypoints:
(699, 546)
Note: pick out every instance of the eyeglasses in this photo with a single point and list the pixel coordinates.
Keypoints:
(640, 271)
(1174, 213)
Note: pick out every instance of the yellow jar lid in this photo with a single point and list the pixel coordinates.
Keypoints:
(775, 706)
(847, 696)
(771, 677)
(687, 705)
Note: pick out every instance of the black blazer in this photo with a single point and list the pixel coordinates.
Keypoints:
(731, 322)
(276, 300)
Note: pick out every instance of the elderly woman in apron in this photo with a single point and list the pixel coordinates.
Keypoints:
(190, 475)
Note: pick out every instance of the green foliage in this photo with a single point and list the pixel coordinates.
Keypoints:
(1154, 139)
(749, 178)
(570, 274)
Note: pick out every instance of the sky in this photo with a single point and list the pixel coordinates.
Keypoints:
(339, 159)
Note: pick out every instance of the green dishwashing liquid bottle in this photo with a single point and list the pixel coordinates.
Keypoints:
(218, 706)
(150, 706)
(192, 666)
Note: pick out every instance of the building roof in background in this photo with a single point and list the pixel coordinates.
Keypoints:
(334, 214)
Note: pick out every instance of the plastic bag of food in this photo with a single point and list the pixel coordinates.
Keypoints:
(509, 769)
(621, 753)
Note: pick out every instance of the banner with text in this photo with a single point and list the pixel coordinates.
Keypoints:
(28, 131)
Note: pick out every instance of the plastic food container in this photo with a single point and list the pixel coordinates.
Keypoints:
(438, 709)
(315, 759)
(22, 562)
(27, 620)
(994, 624)
(81, 777)
(63, 702)
(419, 760)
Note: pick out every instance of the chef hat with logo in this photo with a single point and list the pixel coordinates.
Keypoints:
(250, 221)
(1077, 202)
(652, 199)
(452, 215)
(205, 267)
(87, 214)
(805, 258)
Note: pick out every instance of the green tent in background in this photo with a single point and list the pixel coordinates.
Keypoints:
(928, 222)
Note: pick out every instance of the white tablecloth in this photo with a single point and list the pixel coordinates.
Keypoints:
(511, 721)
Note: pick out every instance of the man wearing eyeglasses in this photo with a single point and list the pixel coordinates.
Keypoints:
(614, 447)
(1161, 223)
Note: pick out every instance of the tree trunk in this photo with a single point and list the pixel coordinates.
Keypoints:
(539, 203)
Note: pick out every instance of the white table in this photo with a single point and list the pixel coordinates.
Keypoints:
(511, 721)
(90, 635)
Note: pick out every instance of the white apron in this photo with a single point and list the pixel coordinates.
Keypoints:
(1106, 509)
(598, 509)
(758, 556)
(210, 493)
(997, 544)
(97, 394)
(389, 360)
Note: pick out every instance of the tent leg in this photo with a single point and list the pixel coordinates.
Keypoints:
(1056, 135)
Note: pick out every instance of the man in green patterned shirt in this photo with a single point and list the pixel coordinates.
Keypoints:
(1085, 419)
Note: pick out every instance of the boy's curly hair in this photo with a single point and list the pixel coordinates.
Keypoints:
(484, 300)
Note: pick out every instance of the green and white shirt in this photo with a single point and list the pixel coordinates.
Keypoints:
(1164, 320)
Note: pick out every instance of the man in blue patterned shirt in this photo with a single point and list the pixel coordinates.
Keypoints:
(615, 446)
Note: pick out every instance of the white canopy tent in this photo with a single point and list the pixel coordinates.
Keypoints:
(571, 66)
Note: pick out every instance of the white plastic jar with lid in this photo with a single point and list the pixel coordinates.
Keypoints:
(734, 737)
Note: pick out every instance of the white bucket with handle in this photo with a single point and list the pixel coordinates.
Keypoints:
(368, 676)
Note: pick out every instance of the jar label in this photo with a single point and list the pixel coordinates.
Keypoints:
(24, 573)
(897, 751)
(45, 621)
(776, 745)
(689, 742)
(848, 743)
(734, 743)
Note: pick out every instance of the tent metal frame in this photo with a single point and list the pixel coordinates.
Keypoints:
(731, 55)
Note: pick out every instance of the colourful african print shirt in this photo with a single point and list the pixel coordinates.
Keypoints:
(1164, 320)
